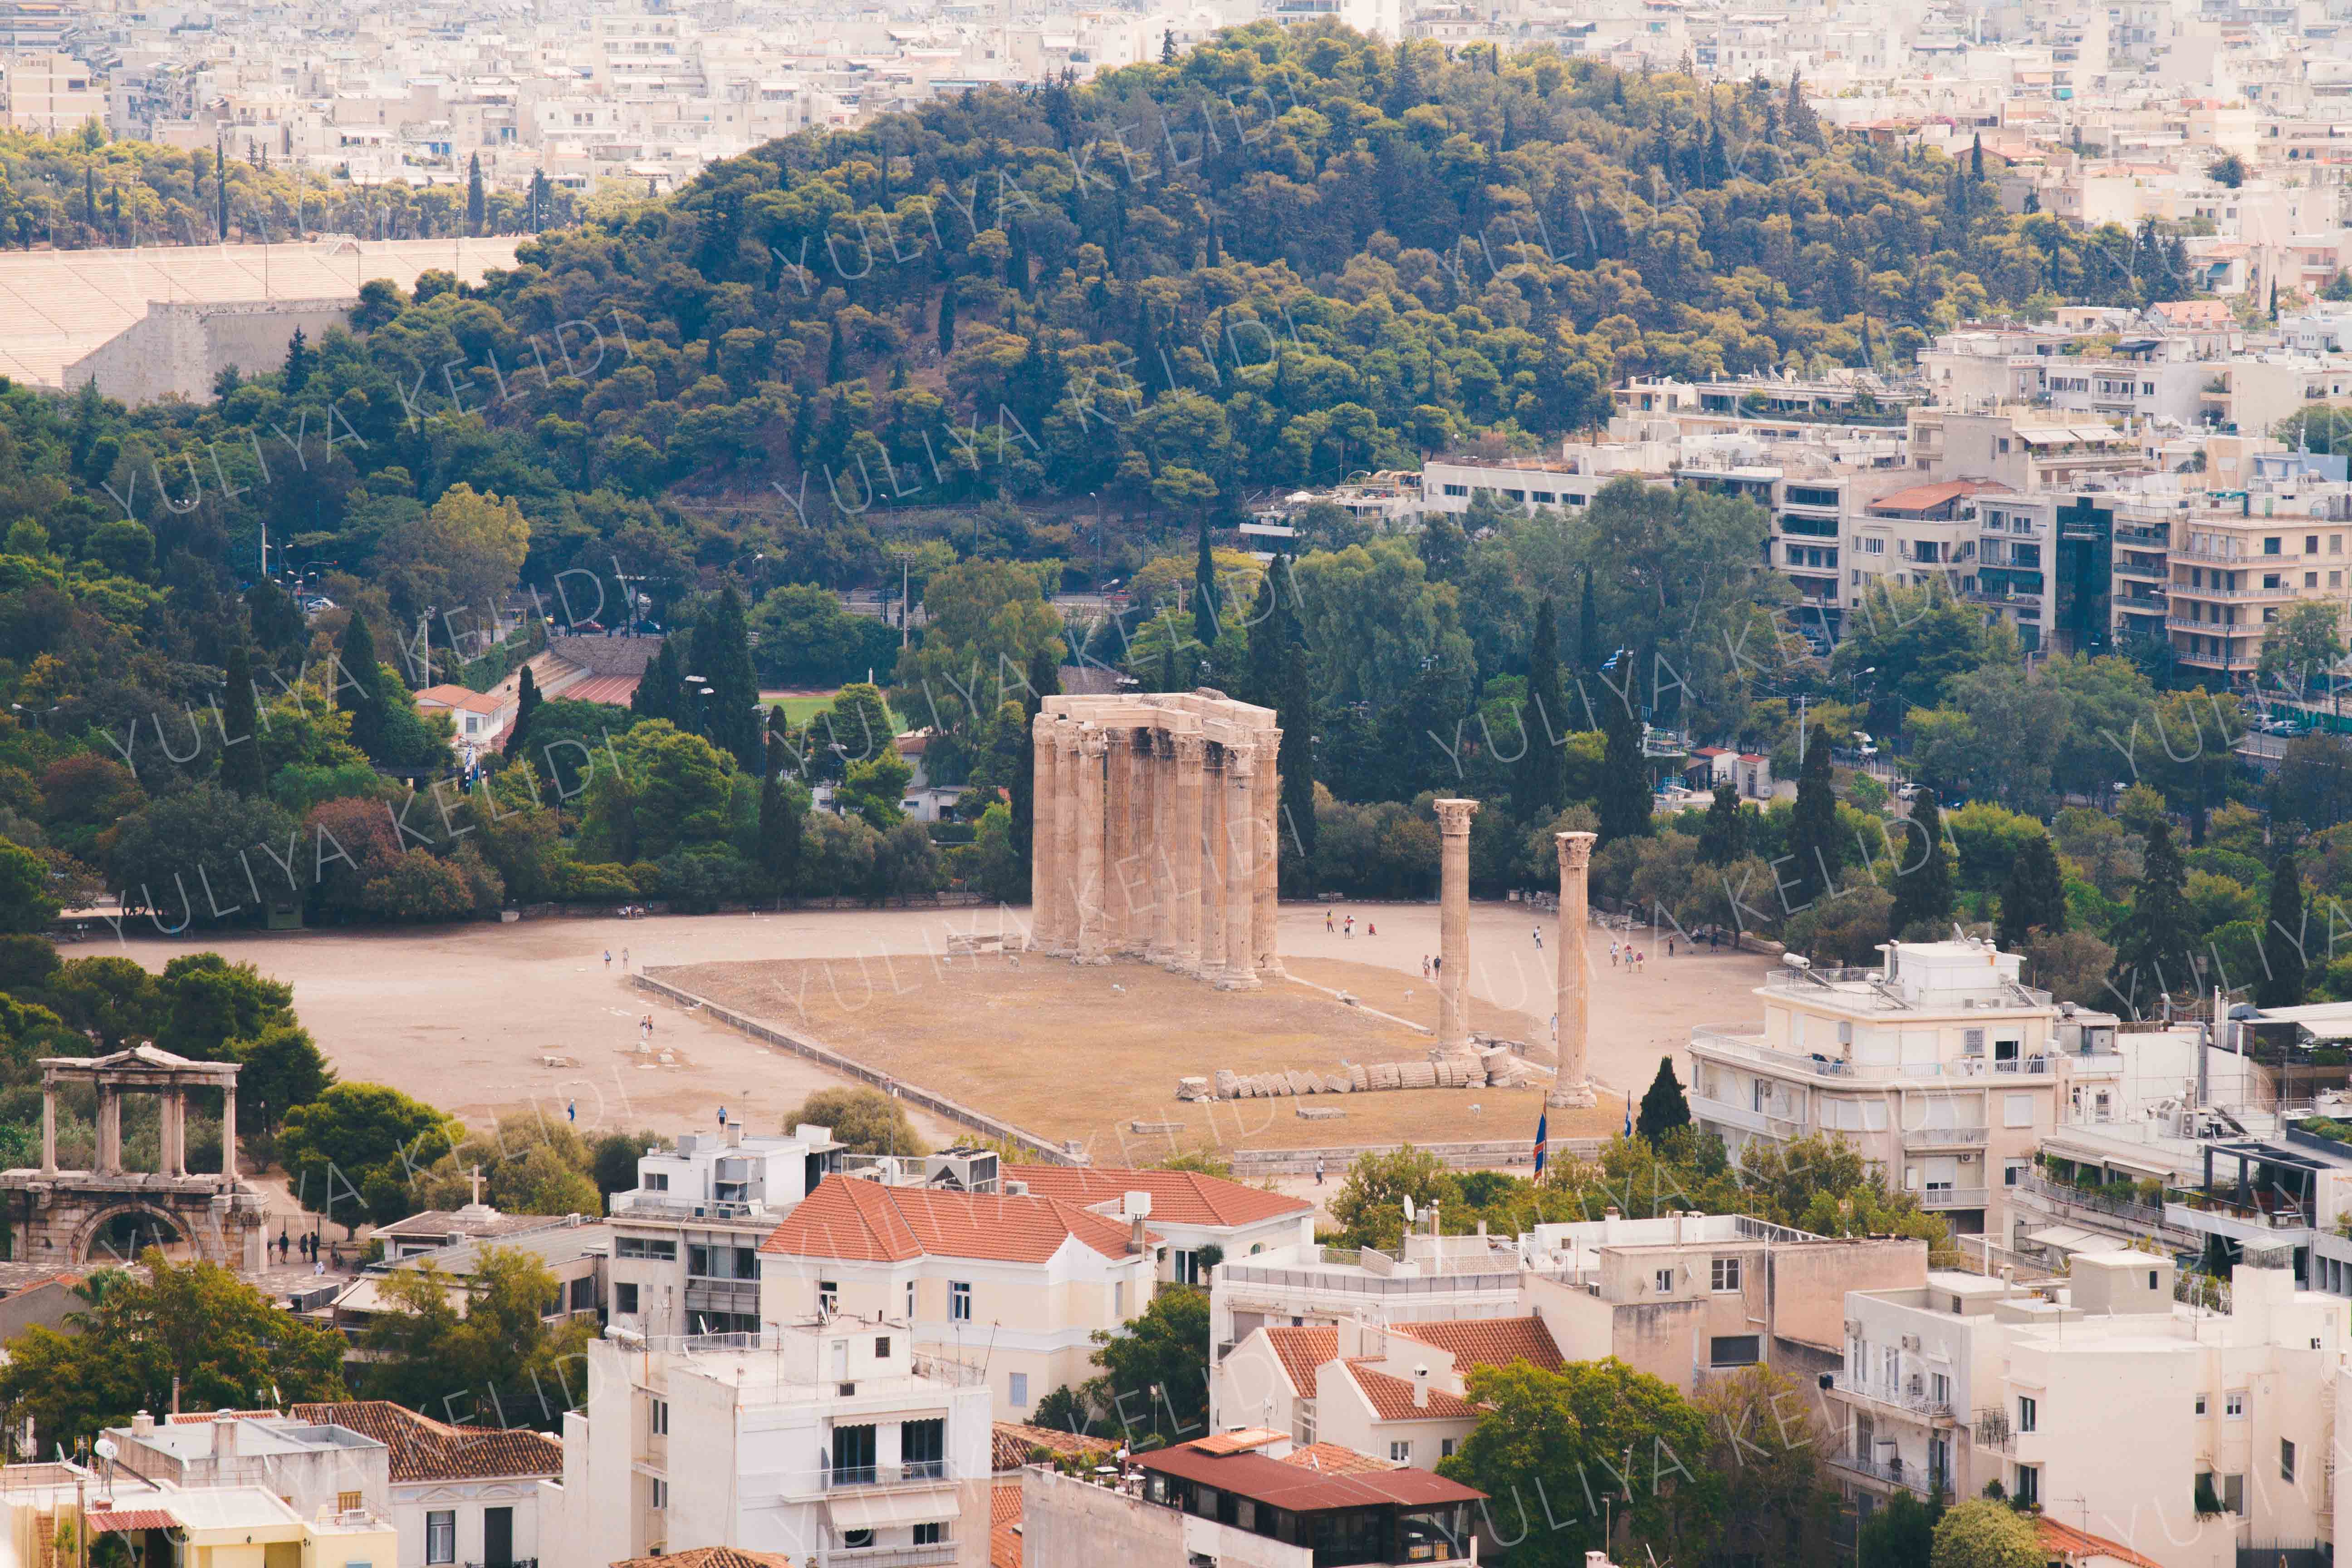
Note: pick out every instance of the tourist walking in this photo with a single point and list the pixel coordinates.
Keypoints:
(608, 958)
(1319, 1170)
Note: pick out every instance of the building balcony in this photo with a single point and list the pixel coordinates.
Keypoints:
(1914, 1406)
(1763, 1123)
(893, 1556)
(1954, 1197)
(2211, 1214)
(1927, 1484)
(1945, 1137)
(912, 1473)
(2152, 571)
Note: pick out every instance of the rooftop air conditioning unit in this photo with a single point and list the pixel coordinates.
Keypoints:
(1910, 1341)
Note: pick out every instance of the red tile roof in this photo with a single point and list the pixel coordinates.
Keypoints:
(131, 1520)
(862, 1221)
(1391, 1398)
(1013, 1442)
(1489, 1342)
(712, 1557)
(1177, 1197)
(1301, 1351)
(1334, 1459)
(1919, 498)
(2067, 1545)
(423, 1449)
(1304, 1491)
(1004, 1516)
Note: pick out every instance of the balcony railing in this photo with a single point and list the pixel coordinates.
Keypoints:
(1927, 1484)
(1955, 1197)
(912, 1473)
(2195, 1200)
(2064, 1195)
(893, 1556)
(1944, 1137)
(1916, 1404)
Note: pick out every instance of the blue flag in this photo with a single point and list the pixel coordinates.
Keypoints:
(1543, 1121)
(1628, 1113)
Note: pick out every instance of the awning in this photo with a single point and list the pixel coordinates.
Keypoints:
(890, 1510)
(2070, 1239)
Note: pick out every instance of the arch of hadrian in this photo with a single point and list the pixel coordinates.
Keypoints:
(1154, 833)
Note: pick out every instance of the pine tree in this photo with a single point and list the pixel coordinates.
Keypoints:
(1664, 1106)
(1723, 834)
(657, 696)
(1814, 829)
(297, 362)
(2284, 966)
(1923, 878)
(1624, 800)
(2154, 946)
(2033, 895)
(947, 319)
(526, 701)
(241, 766)
(359, 686)
(1538, 779)
(836, 359)
(722, 656)
(477, 201)
(1204, 590)
(780, 825)
(1168, 47)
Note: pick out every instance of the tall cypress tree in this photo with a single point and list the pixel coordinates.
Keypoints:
(2153, 949)
(947, 319)
(722, 656)
(657, 696)
(2033, 895)
(1723, 834)
(359, 686)
(2283, 968)
(241, 767)
(837, 358)
(1588, 633)
(780, 825)
(1204, 590)
(1268, 637)
(1663, 1105)
(1624, 775)
(1922, 883)
(1539, 781)
(1812, 829)
(477, 200)
(526, 701)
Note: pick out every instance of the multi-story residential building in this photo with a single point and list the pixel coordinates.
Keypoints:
(316, 1465)
(1395, 1392)
(828, 1439)
(454, 1494)
(2020, 448)
(190, 1527)
(2238, 561)
(1246, 1497)
(48, 94)
(686, 1238)
(1909, 538)
(574, 1251)
(1202, 1219)
(2285, 1197)
(1939, 1065)
(1431, 1279)
(2230, 1413)
(1018, 1284)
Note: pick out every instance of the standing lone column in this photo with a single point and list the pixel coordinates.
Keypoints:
(1240, 846)
(109, 1130)
(1453, 922)
(48, 1127)
(1066, 840)
(1215, 793)
(1573, 1086)
(228, 1131)
(1118, 838)
(1044, 804)
(1183, 843)
(1265, 812)
(1090, 749)
(1161, 863)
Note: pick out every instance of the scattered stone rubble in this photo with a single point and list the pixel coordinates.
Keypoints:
(1487, 1064)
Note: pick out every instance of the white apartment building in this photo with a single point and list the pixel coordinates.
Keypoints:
(1016, 1284)
(49, 94)
(1431, 1278)
(2106, 1402)
(828, 1439)
(1201, 1219)
(1939, 1065)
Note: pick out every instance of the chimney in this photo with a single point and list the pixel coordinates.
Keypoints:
(1421, 1388)
(1137, 1206)
(224, 1448)
(1135, 1236)
(143, 1425)
(734, 1135)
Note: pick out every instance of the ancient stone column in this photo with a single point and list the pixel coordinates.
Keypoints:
(48, 1129)
(1573, 1086)
(170, 1133)
(109, 1130)
(228, 1131)
(1453, 923)
(1044, 806)
(1214, 798)
(1184, 852)
(1160, 861)
(1068, 876)
(1240, 846)
(1118, 838)
(1266, 812)
(1090, 881)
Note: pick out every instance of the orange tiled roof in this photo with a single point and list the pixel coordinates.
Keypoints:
(1301, 1351)
(1003, 1521)
(1391, 1398)
(712, 1557)
(1013, 1440)
(1489, 1342)
(1921, 496)
(1177, 1197)
(423, 1449)
(2072, 1545)
(1333, 1459)
(862, 1221)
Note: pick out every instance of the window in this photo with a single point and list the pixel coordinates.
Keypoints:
(1544, 498)
(1187, 1265)
(2311, 544)
(638, 1246)
(959, 1301)
(1665, 1281)
(1119, 1299)
(349, 1502)
(2017, 1111)
(828, 1294)
(2233, 1494)
(1732, 1350)
(1400, 1452)
(2201, 1404)
(1457, 490)
(2270, 545)
(2010, 1172)
(1019, 1393)
(658, 1182)
(625, 1297)
(2287, 1459)
(910, 1300)
(928, 1534)
(881, 1347)
(441, 1535)
(657, 1422)
(1725, 1273)
(583, 1295)
(2233, 1404)
(2311, 579)
(661, 1492)
(2026, 1409)
(1445, 1448)
(857, 1539)
(2029, 1485)
(2004, 443)
(1939, 1388)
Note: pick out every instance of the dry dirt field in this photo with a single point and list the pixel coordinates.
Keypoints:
(463, 1015)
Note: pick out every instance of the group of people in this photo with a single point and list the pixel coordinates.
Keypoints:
(307, 1246)
(1347, 927)
(1635, 959)
(624, 958)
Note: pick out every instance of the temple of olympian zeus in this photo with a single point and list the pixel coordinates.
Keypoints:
(1154, 833)
(66, 1215)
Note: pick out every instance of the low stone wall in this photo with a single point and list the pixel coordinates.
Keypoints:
(915, 1094)
(1250, 1164)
